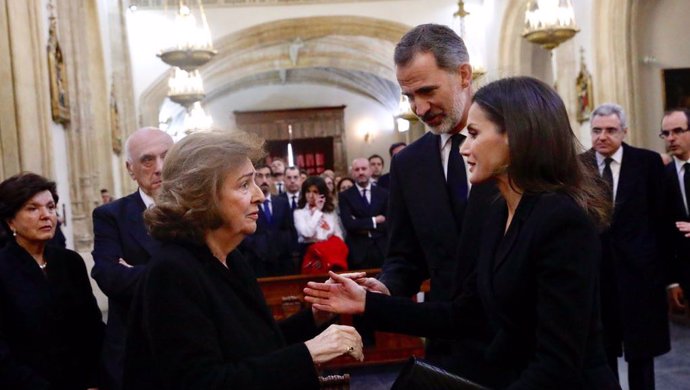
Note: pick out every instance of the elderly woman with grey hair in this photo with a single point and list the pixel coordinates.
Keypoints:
(199, 319)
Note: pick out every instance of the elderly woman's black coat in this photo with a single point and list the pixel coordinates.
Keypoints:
(196, 324)
(50, 325)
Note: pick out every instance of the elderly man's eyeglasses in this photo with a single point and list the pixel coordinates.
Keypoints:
(609, 130)
(677, 132)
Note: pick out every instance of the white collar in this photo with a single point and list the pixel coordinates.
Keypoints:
(368, 187)
(148, 201)
(617, 156)
(679, 164)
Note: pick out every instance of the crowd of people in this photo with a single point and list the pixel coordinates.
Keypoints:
(546, 264)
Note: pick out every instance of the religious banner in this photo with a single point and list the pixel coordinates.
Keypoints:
(59, 97)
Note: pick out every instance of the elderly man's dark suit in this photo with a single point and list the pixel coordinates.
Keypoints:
(268, 250)
(680, 245)
(634, 265)
(119, 232)
(362, 238)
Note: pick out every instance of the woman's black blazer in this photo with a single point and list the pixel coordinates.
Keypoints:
(533, 300)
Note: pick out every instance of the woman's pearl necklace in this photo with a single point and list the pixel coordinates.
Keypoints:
(43, 266)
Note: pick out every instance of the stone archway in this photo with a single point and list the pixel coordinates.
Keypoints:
(351, 52)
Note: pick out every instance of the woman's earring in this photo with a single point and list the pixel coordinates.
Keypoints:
(14, 233)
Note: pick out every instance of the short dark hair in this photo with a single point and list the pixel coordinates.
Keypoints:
(193, 175)
(447, 47)
(19, 189)
(376, 156)
(262, 166)
(104, 190)
(395, 146)
(320, 185)
(684, 110)
(543, 148)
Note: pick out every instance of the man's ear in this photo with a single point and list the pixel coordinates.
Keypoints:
(465, 72)
(129, 169)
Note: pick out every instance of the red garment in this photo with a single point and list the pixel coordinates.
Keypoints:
(324, 256)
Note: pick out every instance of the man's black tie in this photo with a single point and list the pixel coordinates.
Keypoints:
(293, 204)
(267, 211)
(607, 175)
(686, 183)
(364, 197)
(456, 178)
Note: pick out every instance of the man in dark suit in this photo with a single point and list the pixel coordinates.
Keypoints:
(633, 269)
(676, 134)
(363, 214)
(293, 184)
(428, 186)
(385, 180)
(122, 246)
(268, 250)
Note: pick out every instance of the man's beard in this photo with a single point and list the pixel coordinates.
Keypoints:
(450, 120)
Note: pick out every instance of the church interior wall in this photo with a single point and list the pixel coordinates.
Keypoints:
(660, 31)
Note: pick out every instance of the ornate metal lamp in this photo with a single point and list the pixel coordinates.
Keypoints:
(185, 88)
(459, 15)
(405, 115)
(192, 46)
(549, 22)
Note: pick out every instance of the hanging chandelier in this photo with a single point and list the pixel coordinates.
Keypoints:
(549, 23)
(196, 119)
(192, 45)
(185, 88)
(459, 21)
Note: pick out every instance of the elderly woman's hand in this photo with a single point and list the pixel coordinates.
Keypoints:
(336, 340)
(344, 296)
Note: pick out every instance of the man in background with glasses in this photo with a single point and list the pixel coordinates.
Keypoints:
(676, 135)
(633, 268)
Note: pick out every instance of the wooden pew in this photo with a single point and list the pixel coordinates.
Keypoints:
(285, 297)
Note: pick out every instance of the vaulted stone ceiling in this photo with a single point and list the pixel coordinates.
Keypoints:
(351, 53)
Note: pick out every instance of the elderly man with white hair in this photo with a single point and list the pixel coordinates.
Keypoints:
(122, 246)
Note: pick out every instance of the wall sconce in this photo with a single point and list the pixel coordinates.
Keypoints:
(405, 115)
(367, 128)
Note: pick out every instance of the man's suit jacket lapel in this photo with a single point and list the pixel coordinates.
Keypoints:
(429, 170)
(674, 190)
(137, 230)
(377, 199)
(629, 173)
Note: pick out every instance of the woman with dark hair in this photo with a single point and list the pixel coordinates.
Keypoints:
(344, 184)
(533, 298)
(50, 325)
(199, 319)
(315, 217)
(319, 231)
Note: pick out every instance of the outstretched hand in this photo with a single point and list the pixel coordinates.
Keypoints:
(342, 295)
(371, 284)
